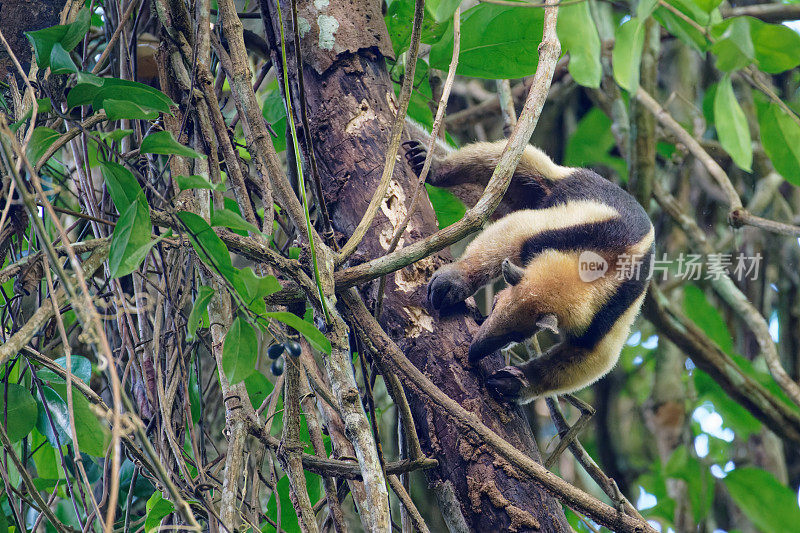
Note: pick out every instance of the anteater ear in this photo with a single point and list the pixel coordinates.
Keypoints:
(549, 321)
(511, 272)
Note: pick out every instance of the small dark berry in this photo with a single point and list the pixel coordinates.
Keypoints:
(277, 367)
(293, 347)
(275, 351)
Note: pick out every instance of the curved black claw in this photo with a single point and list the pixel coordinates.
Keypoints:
(415, 155)
(507, 383)
(447, 287)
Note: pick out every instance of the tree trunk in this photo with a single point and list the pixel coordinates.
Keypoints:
(351, 106)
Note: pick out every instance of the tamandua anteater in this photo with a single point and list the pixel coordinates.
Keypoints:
(575, 250)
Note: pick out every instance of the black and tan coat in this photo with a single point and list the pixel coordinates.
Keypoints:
(551, 220)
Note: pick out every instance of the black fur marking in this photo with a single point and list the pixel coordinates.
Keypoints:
(605, 317)
(583, 184)
(612, 235)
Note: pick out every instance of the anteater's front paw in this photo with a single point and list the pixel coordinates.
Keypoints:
(447, 287)
(415, 155)
(507, 384)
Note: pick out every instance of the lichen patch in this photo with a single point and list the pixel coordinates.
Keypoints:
(303, 26)
(327, 27)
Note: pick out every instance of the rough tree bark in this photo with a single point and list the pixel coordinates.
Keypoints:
(351, 106)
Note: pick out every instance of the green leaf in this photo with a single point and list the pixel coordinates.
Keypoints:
(162, 142)
(776, 48)
(81, 368)
(257, 288)
(399, 19)
(209, 247)
(57, 432)
(229, 219)
(157, 508)
(121, 184)
(731, 124)
(120, 109)
(734, 49)
(19, 412)
(698, 478)
(239, 351)
(67, 37)
(707, 318)
(645, 8)
(41, 139)
(307, 330)
(197, 182)
(578, 35)
(497, 42)
(770, 505)
(115, 135)
(780, 136)
(130, 241)
(627, 54)
(448, 207)
(93, 435)
(94, 90)
(60, 61)
(592, 142)
(442, 9)
(683, 30)
(707, 5)
(258, 388)
(194, 396)
(198, 311)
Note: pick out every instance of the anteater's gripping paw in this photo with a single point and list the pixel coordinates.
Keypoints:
(415, 155)
(447, 287)
(507, 384)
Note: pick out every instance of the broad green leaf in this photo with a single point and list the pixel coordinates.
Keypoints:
(93, 436)
(592, 142)
(115, 135)
(208, 245)
(41, 140)
(194, 396)
(121, 184)
(780, 136)
(307, 330)
(60, 61)
(66, 36)
(93, 90)
(18, 413)
(644, 9)
(198, 310)
(81, 368)
(157, 508)
(707, 318)
(47, 466)
(707, 5)
(258, 388)
(682, 29)
(627, 54)
(734, 49)
(257, 289)
(53, 420)
(131, 238)
(399, 19)
(731, 124)
(770, 505)
(274, 111)
(230, 219)
(197, 182)
(120, 109)
(776, 47)
(239, 351)
(497, 42)
(448, 208)
(578, 35)
(162, 142)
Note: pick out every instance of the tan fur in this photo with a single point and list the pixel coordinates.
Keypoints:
(482, 258)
